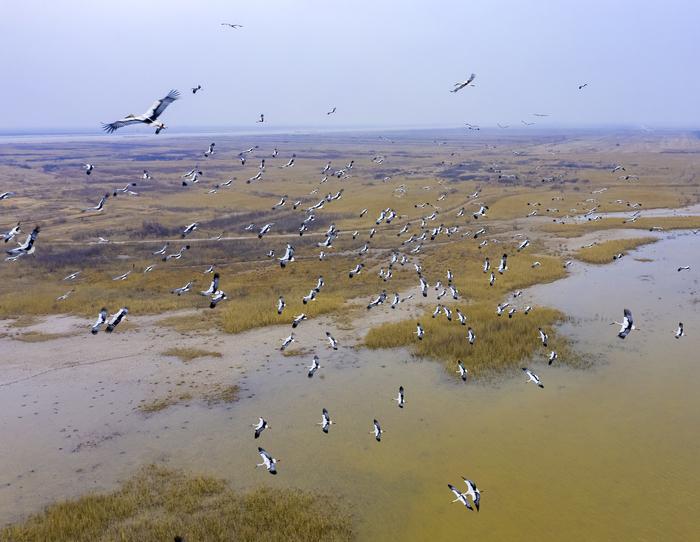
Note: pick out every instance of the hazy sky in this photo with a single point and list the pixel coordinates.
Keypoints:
(74, 64)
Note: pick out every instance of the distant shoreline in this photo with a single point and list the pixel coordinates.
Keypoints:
(13, 136)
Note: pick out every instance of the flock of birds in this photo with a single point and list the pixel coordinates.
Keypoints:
(429, 230)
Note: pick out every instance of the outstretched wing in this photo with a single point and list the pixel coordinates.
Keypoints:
(159, 105)
(113, 126)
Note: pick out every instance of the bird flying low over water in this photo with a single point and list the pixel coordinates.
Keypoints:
(532, 377)
(149, 117)
(260, 427)
(269, 462)
(400, 400)
(680, 332)
(313, 367)
(461, 84)
(473, 492)
(460, 497)
(289, 340)
(377, 430)
(325, 422)
(331, 341)
(626, 325)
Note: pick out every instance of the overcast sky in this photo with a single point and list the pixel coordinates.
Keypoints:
(75, 64)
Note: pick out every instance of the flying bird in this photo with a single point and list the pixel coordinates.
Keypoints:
(331, 341)
(12, 233)
(680, 332)
(217, 298)
(460, 497)
(420, 333)
(313, 367)
(289, 340)
(626, 325)
(189, 229)
(269, 462)
(298, 320)
(532, 377)
(260, 427)
(149, 117)
(101, 319)
(99, 207)
(325, 422)
(473, 492)
(287, 257)
(331, 111)
(400, 401)
(116, 319)
(234, 26)
(27, 247)
(461, 84)
(462, 370)
(183, 289)
(196, 89)
(377, 430)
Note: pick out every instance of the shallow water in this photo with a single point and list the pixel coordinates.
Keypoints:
(661, 212)
(608, 453)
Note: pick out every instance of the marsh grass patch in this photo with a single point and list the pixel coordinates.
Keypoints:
(157, 504)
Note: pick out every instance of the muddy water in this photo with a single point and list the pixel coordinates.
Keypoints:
(691, 210)
(608, 453)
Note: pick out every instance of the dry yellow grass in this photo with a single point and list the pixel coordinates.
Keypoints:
(604, 252)
(158, 504)
(188, 354)
(501, 342)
